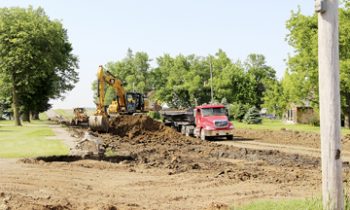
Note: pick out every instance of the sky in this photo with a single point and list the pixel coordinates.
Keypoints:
(102, 31)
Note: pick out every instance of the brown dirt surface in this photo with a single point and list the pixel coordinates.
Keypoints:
(154, 167)
(287, 137)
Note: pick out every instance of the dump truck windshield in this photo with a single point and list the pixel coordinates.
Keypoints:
(213, 112)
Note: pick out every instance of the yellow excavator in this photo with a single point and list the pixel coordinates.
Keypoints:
(124, 103)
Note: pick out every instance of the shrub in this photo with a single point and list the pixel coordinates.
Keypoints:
(252, 116)
(237, 111)
(154, 115)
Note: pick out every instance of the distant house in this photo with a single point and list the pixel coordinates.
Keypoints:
(299, 114)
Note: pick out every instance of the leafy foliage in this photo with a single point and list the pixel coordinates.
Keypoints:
(275, 99)
(36, 58)
(237, 111)
(300, 83)
(252, 116)
(183, 81)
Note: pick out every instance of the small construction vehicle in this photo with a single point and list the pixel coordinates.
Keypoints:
(124, 103)
(80, 116)
(206, 122)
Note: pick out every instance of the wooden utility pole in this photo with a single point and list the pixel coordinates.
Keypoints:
(211, 82)
(329, 91)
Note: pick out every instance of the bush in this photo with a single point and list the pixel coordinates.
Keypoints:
(252, 116)
(154, 115)
(314, 120)
(237, 111)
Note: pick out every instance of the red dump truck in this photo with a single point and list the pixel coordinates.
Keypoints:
(205, 121)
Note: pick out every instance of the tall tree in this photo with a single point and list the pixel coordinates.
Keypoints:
(134, 72)
(35, 56)
(303, 64)
(263, 75)
(275, 99)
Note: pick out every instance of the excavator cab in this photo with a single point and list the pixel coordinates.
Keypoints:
(134, 102)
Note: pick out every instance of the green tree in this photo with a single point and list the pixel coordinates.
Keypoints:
(275, 100)
(302, 78)
(263, 75)
(133, 71)
(182, 81)
(35, 55)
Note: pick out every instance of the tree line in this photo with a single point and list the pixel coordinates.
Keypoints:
(36, 62)
(184, 81)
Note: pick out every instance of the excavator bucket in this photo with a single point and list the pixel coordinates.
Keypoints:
(98, 123)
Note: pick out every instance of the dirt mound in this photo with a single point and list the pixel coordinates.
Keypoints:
(154, 145)
(134, 125)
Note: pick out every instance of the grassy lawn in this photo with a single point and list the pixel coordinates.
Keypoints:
(66, 113)
(307, 204)
(29, 140)
(278, 125)
(43, 116)
(292, 204)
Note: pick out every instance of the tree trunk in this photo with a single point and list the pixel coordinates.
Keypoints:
(35, 116)
(26, 116)
(15, 104)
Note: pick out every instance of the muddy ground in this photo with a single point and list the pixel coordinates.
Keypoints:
(150, 166)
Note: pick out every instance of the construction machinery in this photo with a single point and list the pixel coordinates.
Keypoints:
(123, 103)
(80, 116)
(206, 121)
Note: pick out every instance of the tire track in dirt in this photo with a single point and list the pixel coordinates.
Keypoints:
(251, 144)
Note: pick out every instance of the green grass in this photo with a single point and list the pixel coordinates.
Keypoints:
(29, 140)
(292, 204)
(268, 124)
(66, 113)
(43, 116)
(306, 204)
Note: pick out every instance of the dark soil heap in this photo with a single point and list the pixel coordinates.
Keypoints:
(152, 144)
(129, 125)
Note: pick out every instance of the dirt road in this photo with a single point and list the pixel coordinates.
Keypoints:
(153, 167)
(293, 142)
(88, 184)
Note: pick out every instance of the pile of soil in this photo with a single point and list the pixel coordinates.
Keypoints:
(134, 125)
(152, 144)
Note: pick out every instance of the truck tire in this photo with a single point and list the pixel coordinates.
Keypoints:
(183, 130)
(187, 132)
(203, 137)
(230, 137)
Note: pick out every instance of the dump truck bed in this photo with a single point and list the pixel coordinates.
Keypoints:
(175, 117)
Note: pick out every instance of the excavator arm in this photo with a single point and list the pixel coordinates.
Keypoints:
(117, 86)
(100, 92)
(99, 122)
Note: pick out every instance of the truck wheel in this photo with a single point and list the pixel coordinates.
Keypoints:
(203, 137)
(187, 132)
(230, 137)
(183, 130)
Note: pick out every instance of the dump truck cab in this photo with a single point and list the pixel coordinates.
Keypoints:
(212, 121)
